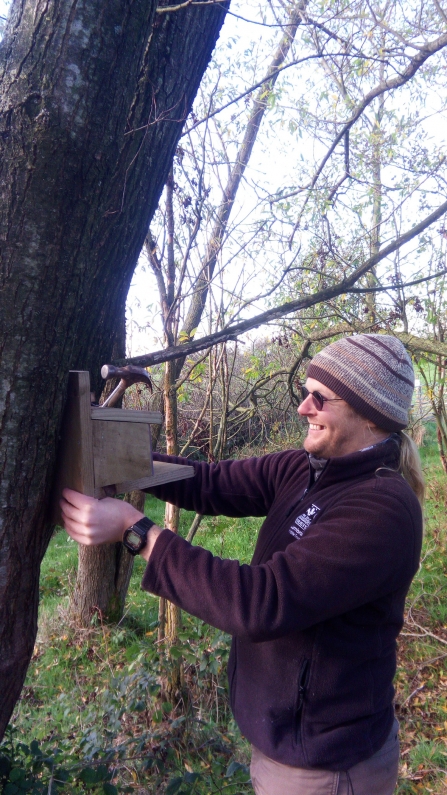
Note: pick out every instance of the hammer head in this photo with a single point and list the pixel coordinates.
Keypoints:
(130, 374)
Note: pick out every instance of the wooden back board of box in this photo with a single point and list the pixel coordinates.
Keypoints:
(106, 451)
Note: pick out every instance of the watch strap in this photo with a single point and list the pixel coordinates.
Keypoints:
(139, 530)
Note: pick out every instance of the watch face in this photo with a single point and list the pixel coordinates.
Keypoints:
(133, 539)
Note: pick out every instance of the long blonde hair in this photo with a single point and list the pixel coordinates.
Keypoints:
(410, 465)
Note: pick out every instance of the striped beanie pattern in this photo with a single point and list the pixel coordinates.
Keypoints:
(373, 373)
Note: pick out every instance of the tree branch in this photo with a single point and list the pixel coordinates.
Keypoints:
(231, 332)
(385, 85)
(398, 285)
(269, 77)
(215, 241)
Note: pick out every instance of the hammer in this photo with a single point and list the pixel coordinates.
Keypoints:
(129, 375)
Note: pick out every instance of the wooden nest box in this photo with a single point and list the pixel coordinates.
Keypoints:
(107, 451)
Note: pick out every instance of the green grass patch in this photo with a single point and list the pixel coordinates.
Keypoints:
(421, 681)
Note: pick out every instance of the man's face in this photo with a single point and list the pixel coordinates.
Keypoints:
(337, 429)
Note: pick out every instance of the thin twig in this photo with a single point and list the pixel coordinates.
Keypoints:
(414, 693)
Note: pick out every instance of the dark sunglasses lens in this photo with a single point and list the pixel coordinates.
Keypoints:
(318, 400)
(316, 396)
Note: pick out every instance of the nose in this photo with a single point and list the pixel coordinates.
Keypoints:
(307, 407)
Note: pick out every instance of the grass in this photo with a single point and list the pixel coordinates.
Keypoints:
(94, 695)
(421, 681)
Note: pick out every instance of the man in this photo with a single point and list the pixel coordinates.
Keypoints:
(315, 616)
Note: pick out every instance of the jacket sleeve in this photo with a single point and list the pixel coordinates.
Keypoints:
(231, 488)
(366, 546)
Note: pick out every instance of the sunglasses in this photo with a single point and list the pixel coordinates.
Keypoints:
(318, 399)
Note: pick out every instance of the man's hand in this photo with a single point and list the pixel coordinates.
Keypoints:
(90, 521)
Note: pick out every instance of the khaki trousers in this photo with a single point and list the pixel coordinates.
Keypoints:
(375, 776)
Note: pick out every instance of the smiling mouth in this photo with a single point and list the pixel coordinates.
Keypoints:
(313, 427)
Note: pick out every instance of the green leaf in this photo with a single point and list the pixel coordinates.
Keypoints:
(62, 775)
(102, 773)
(235, 767)
(174, 785)
(5, 765)
(34, 748)
(88, 776)
(109, 789)
(26, 785)
(16, 774)
(190, 778)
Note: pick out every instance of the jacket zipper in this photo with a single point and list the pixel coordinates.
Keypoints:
(303, 680)
(305, 492)
(311, 483)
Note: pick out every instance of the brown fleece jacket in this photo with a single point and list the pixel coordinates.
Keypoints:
(316, 614)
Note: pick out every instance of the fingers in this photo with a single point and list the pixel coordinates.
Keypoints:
(68, 510)
(77, 499)
(90, 521)
(84, 518)
(76, 526)
(77, 532)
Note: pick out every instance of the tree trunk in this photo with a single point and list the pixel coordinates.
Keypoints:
(172, 615)
(103, 578)
(442, 445)
(93, 95)
(223, 212)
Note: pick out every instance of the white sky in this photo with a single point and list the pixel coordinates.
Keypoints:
(274, 170)
(4, 5)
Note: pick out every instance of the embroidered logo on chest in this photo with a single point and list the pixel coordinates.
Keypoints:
(303, 521)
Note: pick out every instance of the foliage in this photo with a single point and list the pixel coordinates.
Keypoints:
(95, 695)
(126, 734)
(432, 310)
(254, 401)
(44, 768)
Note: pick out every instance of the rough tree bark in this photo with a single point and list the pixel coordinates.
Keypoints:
(169, 614)
(103, 578)
(92, 99)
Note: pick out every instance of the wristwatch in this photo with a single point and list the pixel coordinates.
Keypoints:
(135, 537)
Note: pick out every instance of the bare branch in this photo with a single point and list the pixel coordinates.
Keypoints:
(398, 285)
(421, 345)
(231, 332)
(274, 74)
(219, 231)
(384, 86)
(180, 6)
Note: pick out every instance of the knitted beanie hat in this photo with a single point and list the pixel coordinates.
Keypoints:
(373, 373)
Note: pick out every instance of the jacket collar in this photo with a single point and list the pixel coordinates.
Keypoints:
(362, 463)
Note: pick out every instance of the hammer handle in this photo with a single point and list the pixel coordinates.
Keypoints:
(115, 395)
